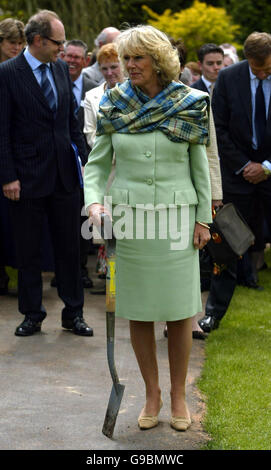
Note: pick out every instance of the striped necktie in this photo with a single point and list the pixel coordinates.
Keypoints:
(211, 89)
(47, 88)
(260, 114)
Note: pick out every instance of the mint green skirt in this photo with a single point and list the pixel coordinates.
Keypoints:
(157, 274)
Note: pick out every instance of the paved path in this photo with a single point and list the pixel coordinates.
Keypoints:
(55, 386)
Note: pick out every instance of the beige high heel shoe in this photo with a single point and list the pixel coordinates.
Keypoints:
(148, 422)
(179, 423)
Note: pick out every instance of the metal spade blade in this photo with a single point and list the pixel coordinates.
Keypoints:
(117, 388)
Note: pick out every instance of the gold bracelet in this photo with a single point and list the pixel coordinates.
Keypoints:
(203, 225)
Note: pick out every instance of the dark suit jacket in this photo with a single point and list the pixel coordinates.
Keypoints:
(232, 109)
(200, 85)
(94, 74)
(35, 146)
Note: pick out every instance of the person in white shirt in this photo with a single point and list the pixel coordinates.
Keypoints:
(110, 67)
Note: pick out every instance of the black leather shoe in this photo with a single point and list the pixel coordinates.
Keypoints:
(197, 334)
(252, 285)
(208, 323)
(263, 267)
(102, 276)
(87, 282)
(78, 326)
(28, 327)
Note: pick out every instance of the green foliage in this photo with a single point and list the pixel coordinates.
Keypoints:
(251, 15)
(12, 9)
(196, 25)
(131, 12)
(82, 19)
(86, 18)
(236, 376)
(13, 277)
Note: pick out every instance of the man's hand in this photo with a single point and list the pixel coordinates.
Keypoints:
(12, 190)
(253, 173)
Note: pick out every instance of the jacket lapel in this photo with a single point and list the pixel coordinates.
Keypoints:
(245, 91)
(269, 110)
(29, 79)
(203, 86)
(58, 79)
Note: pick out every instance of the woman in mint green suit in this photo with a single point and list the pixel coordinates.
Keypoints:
(161, 205)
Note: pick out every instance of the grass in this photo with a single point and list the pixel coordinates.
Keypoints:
(13, 277)
(236, 378)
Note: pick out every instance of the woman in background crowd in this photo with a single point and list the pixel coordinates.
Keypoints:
(12, 38)
(195, 71)
(111, 69)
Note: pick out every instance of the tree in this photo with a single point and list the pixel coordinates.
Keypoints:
(83, 19)
(251, 15)
(131, 11)
(196, 25)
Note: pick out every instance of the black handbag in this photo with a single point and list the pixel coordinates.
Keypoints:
(230, 235)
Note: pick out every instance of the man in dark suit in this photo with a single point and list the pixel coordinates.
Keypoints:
(211, 62)
(241, 106)
(76, 56)
(39, 172)
(222, 283)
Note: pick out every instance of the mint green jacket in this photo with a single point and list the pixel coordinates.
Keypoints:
(150, 169)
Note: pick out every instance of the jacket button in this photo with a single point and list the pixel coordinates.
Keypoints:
(149, 181)
(147, 154)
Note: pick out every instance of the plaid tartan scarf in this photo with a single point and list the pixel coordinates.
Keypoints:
(180, 112)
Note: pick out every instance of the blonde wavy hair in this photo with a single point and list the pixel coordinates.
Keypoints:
(147, 40)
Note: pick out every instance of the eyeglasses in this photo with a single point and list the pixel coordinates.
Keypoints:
(58, 43)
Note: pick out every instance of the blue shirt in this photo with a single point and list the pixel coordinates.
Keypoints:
(34, 64)
(77, 89)
(254, 81)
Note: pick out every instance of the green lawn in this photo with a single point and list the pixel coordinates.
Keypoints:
(236, 378)
(13, 277)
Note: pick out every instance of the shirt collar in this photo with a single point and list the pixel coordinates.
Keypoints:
(33, 62)
(206, 82)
